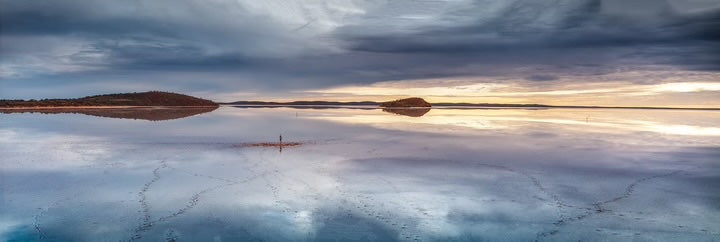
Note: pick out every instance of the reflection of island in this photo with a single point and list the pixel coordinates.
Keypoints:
(144, 113)
(412, 112)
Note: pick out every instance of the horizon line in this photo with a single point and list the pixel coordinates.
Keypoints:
(458, 105)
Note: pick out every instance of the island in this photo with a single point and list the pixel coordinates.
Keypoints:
(413, 102)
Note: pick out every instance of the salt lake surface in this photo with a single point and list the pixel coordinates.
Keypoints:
(363, 175)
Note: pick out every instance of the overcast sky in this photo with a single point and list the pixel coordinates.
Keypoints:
(644, 52)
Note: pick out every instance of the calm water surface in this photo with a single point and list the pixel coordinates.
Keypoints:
(363, 175)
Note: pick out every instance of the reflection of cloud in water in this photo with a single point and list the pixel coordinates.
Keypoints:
(360, 183)
(50, 151)
(600, 120)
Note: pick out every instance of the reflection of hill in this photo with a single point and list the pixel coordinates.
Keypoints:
(412, 112)
(144, 113)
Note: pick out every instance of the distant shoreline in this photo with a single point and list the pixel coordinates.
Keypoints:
(159, 99)
(452, 106)
(439, 106)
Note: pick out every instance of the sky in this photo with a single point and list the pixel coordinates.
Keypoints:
(561, 52)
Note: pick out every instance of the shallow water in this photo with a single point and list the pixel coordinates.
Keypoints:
(464, 175)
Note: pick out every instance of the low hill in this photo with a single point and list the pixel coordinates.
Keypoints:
(406, 103)
(152, 98)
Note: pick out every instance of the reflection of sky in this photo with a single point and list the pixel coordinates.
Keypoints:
(451, 174)
(659, 122)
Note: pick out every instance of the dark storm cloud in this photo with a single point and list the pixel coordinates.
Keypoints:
(226, 45)
(529, 25)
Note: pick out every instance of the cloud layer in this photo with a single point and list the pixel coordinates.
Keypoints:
(77, 47)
